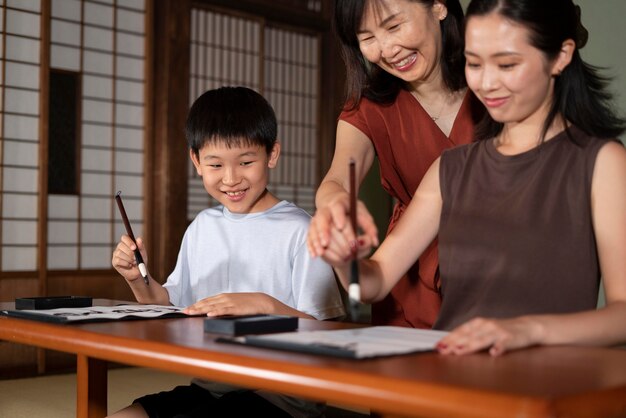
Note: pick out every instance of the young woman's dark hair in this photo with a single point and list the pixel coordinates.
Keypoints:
(580, 95)
(364, 79)
(234, 116)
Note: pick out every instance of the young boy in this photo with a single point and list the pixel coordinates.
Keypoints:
(246, 256)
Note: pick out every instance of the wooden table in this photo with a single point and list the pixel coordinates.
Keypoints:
(538, 382)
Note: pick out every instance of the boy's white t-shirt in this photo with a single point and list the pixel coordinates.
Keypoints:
(225, 252)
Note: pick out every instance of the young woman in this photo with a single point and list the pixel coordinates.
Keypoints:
(406, 102)
(530, 217)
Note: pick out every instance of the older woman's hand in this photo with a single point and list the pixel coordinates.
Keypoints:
(336, 215)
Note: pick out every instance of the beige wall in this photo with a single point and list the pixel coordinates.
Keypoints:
(607, 43)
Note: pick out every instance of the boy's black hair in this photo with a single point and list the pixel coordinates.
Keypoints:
(234, 116)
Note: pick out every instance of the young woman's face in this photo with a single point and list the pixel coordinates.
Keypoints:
(511, 77)
(237, 177)
(402, 37)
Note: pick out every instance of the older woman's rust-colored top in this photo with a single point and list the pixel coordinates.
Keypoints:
(407, 141)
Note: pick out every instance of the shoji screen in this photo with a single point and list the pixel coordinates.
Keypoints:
(291, 77)
(225, 51)
(20, 40)
(281, 64)
(104, 43)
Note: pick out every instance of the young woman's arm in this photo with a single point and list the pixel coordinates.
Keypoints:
(409, 238)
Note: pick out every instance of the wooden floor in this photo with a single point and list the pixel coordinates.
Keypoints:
(55, 396)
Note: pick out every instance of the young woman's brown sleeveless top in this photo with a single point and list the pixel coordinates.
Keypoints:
(516, 234)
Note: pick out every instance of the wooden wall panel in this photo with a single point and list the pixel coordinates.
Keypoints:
(106, 286)
(171, 103)
(17, 360)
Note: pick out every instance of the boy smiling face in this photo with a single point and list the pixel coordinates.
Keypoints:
(237, 176)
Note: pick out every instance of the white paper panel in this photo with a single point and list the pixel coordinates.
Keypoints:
(19, 206)
(98, 38)
(98, 63)
(96, 135)
(65, 58)
(131, 115)
(94, 233)
(129, 138)
(66, 9)
(285, 192)
(132, 4)
(119, 229)
(129, 91)
(20, 180)
(22, 23)
(134, 210)
(22, 49)
(94, 86)
(20, 153)
(21, 101)
(63, 258)
(96, 159)
(193, 66)
(130, 185)
(19, 259)
(254, 32)
(21, 127)
(196, 17)
(22, 75)
(129, 162)
(98, 14)
(130, 68)
(19, 232)
(130, 20)
(96, 111)
(95, 258)
(130, 44)
(62, 232)
(97, 208)
(62, 207)
(65, 32)
(96, 184)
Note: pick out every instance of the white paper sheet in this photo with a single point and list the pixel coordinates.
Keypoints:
(96, 313)
(356, 343)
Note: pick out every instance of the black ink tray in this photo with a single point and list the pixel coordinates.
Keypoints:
(250, 324)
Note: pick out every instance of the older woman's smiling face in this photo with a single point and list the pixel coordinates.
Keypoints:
(403, 38)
